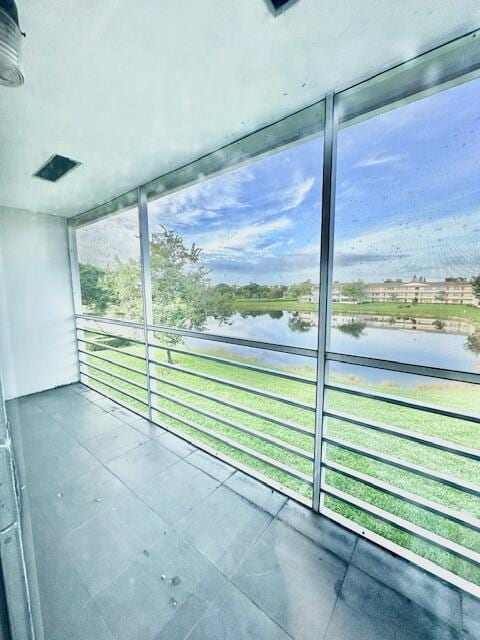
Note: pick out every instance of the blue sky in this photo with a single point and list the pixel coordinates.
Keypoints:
(407, 202)
(258, 223)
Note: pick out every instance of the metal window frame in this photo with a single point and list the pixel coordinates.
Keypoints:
(441, 68)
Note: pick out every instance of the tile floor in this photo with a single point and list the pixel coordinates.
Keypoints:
(137, 535)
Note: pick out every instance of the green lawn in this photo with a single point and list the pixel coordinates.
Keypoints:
(458, 431)
(439, 311)
(280, 304)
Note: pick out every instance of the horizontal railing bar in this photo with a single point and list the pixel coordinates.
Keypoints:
(114, 375)
(119, 389)
(406, 466)
(236, 445)
(255, 344)
(121, 323)
(116, 400)
(465, 519)
(415, 369)
(409, 527)
(402, 402)
(235, 385)
(238, 407)
(108, 348)
(235, 425)
(111, 335)
(235, 363)
(405, 434)
(93, 354)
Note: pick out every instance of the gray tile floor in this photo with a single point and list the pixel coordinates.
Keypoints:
(139, 536)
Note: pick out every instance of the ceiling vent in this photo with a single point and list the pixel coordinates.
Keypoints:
(56, 167)
(278, 6)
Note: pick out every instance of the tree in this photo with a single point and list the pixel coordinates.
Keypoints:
(94, 294)
(357, 291)
(473, 342)
(182, 297)
(124, 286)
(299, 322)
(300, 289)
(353, 328)
(476, 287)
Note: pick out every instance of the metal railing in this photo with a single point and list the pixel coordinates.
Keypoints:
(179, 402)
(137, 377)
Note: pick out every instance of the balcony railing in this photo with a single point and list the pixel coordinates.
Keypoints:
(388, 478)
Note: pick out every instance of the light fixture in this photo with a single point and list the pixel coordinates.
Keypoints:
(10, 40)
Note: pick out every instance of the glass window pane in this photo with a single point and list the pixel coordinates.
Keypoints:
(238, 254)
(109, 264)
(407, 229)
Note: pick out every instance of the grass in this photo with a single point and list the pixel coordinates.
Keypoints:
(458, 431)
(401, 310)
(279, 304)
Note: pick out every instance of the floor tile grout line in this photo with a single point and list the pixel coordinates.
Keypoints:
(348, 565)
(225, 586)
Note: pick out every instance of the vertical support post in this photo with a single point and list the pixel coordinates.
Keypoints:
(326, 256)
(146, 284)
(75, 279)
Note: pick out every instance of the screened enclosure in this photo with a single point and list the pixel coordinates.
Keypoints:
(305, 304)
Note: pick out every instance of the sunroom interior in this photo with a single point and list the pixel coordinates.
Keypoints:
(240, 322)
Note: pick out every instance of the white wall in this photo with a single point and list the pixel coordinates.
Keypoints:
(37, 337)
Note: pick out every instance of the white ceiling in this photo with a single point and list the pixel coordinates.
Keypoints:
(134, 88)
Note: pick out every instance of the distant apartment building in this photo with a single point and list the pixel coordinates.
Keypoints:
(450, 291)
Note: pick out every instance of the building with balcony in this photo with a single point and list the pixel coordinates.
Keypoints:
(449, 291)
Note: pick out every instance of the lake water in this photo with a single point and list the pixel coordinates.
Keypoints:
(417, 341)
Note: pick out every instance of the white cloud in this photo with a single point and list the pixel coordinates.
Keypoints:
(246, 238)
(289, 197)
(201, 201)
(427, 246)
(378, 159)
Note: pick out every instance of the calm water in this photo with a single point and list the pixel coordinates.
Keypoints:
(426, 342)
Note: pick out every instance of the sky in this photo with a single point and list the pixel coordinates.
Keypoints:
(407, 203)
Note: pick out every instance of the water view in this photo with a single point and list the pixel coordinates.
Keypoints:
(446, 343)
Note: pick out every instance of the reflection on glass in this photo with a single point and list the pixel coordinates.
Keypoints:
(238, 254)
(407, 231)
(109, 264)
